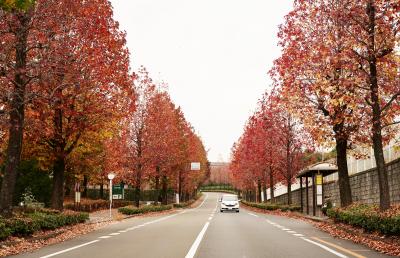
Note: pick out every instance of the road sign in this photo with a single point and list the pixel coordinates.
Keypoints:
(118, 191)
(195, 166)
(318, 180)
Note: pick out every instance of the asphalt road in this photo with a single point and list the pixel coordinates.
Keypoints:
(205, 232)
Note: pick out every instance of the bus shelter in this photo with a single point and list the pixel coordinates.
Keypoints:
(316, 173)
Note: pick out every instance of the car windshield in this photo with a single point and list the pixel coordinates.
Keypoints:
(229, 198)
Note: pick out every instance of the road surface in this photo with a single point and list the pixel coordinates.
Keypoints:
(205, 232)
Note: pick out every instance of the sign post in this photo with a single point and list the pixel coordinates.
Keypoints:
(318, 183)
(111, 177)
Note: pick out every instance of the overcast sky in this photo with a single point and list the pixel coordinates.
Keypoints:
(214, 54)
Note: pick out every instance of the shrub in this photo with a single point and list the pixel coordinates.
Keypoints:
(22, 226)
(31, 176)
(368, 217)
(29, 223)
(273, 207)
(4, 230)
(184, 204)
(89, 205)
(145, 209)
(187, 203)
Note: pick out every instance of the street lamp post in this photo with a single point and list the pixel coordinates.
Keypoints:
(111, 177)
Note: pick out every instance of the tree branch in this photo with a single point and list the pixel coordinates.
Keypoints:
(393, 98)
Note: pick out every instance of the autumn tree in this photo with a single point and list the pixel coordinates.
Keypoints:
(317, 79)
(19, 44)
(136, 141)
(162, 133)
(86, 82)
(373, 32)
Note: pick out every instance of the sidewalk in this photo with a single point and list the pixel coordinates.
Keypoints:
(104, 215)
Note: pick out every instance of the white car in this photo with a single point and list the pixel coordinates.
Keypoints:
(229, 203)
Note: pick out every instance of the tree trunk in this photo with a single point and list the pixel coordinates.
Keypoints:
(180, 185)
(102, 190)
(85, 186)
(289, 192)
(343, 174)
(271, 184)
(164, 190)
(259, 191)
(384, 193)
(17, 115)
(157, 186)
(57, 195)
(138, 185)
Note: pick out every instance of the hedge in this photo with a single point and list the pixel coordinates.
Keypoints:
(28, 223)
(129, 210)
(89, 205)
(273, 207)
(369, 218)
(4, 230)
(188, 203)
(220, 191)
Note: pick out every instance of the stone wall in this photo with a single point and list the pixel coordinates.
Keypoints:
(364, 187)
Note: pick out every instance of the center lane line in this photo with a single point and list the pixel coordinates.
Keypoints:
(197, 242)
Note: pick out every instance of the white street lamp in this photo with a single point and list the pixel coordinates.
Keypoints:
(111, 177)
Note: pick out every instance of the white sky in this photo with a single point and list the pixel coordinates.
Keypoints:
(214, 54)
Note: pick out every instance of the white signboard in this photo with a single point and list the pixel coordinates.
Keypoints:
(319, 200)
(117, 196)
(319, 195)
(195, 166)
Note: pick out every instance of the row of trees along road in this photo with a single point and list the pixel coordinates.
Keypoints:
(339, 74)
(157, 144)
(272, 149)
(69, 100)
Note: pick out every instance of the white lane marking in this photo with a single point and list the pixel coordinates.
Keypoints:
(298, 235)
(197, 242)
(292, 232)
(253, 214)
(325, 247)
(201, 203)
(128, 229)
(122, 231)
(114, 234)
(69, 249)
(286, 229)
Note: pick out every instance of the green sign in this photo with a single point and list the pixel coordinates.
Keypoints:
(118, 191)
